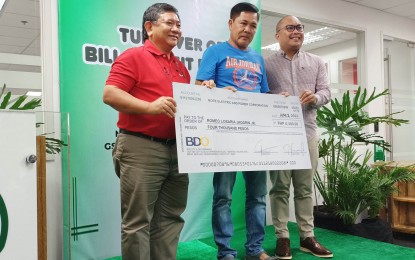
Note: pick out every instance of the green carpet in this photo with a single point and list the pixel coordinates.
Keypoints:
(343, 247)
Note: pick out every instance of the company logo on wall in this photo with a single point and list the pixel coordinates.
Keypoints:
(4, 224)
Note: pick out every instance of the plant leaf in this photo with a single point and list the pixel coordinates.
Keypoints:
(5, 101)
(18, 102)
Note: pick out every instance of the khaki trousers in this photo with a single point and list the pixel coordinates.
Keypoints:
(153, 196)
(302, 181)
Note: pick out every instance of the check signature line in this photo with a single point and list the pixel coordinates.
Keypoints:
(290, 148)
(266, 150)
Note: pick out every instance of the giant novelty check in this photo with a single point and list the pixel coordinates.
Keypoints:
(218, 130)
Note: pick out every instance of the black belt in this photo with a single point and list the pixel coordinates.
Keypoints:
(152, 138)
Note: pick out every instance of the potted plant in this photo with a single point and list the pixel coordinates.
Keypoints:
(350, 185)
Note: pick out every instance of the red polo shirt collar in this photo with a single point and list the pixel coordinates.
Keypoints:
(154, 50)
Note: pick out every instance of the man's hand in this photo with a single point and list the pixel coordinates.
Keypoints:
(285, 93)
(308, 97)
(209, 83)
(163, 105)
(230, 88)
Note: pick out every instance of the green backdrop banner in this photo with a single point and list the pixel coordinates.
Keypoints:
(91, 35)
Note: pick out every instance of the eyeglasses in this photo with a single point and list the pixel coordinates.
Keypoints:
(291, 28)
(170, 24)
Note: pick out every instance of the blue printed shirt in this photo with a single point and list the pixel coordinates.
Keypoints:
(229, 66)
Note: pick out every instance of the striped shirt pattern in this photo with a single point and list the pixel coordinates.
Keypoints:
(304, 71)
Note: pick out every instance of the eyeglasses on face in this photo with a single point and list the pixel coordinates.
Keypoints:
(170, 24)
(291, 28)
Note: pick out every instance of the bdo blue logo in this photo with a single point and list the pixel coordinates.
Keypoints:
(197, 141)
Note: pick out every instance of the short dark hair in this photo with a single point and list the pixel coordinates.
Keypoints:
(152, 14)
(243, 7)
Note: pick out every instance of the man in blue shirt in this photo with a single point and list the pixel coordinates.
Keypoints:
(235, 66)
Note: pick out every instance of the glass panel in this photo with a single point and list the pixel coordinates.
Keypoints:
(348, 71)
(55, 127)
(400, 79)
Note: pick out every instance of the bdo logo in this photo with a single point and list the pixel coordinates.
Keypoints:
(197, 141)
(4, 221)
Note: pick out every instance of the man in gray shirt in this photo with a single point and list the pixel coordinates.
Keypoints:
(291, 71)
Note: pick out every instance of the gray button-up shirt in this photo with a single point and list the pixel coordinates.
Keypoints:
(305, 71)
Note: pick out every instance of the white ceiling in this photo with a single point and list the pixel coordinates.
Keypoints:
(404, 8)
(269, 22)
(20, 32)
(20, 27)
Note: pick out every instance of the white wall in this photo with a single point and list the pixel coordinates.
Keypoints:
(18, 79)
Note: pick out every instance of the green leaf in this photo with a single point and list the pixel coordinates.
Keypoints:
(2, 90)
(32, 104)
(350, 185)
(5, 101)
(18, 102)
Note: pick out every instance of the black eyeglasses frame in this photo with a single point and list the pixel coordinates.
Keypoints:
(292, 28)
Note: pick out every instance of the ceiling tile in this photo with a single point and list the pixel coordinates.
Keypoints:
(403, 10)
(24, 7)
(18, 32)
(15, 20)
(35, 43)
(383, 4)
(31, 51)
(15, 41)
(11, 49)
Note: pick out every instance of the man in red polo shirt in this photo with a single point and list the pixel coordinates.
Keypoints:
(139, 86)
